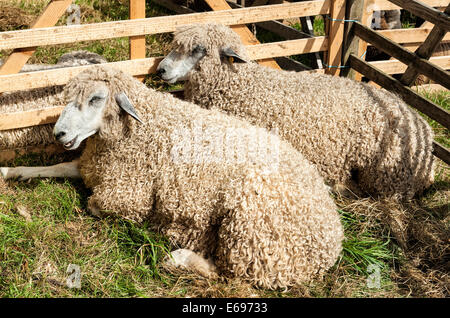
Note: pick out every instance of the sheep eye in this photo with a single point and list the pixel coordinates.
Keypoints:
(198, 49)
(94, 100)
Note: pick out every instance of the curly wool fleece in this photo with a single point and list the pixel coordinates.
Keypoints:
(274, 226)
(350, 130)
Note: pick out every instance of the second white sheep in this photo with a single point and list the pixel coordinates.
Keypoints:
(350, 130)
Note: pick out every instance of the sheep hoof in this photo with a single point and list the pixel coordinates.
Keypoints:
(4, 172)
(12, 173)
(95, 211)
(187, 259)
(346, 191)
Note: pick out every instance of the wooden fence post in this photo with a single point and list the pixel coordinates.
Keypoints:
(336, 36)
(19, 57)
(367, 12)
(137, 43)
(353, 11)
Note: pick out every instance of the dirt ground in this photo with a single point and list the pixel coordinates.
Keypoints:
(14, 19)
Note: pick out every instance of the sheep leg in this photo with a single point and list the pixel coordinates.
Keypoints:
(187, 259)
(129, 198)
(61, 170)
(348, 190)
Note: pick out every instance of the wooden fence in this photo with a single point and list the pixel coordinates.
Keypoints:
(342, 46)
(410, 38)
(415, 63)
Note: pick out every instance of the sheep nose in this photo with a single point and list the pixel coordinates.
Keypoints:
(160, 71)
(59, 135)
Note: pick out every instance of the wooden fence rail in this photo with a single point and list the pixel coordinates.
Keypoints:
(397, 67)
(425, 51)
(390, 47)
(390, 5)
(247, 37)
(17, 59)
(408, 37)
(426, 12)
(405, 36)
(441, 152)
(412, 98)
(283, 30)
(156, 25)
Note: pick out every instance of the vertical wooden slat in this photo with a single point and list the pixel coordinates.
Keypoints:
(353, 11)
(327, 24)
(336, 35)
(137, 43)
(308, 27)
(19, 57)
(246, 35)
(366, 20)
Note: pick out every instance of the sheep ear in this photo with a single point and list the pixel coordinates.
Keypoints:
(124, 103)
(231, 56)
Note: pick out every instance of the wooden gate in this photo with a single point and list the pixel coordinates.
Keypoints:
(417, 62)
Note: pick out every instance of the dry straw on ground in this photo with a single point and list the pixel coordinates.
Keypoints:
(422, 231)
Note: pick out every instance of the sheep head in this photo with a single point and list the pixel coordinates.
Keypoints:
(96, 103)
(201, 47)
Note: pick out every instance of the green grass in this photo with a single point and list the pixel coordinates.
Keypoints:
(442, 99)
(362, 248)
(318, 26)
(117, 258)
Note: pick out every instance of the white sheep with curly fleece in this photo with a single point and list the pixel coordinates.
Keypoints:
(248, 201)
(350, 130)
